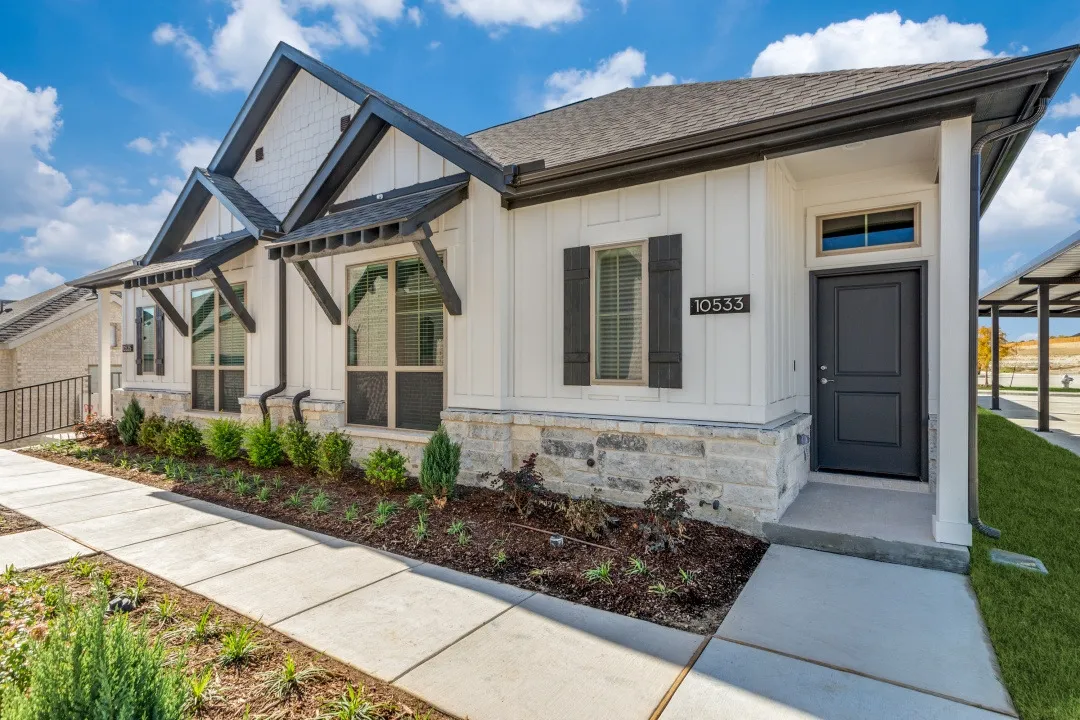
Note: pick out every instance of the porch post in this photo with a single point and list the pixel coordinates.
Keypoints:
(104, 305)
(1044, 357)
(995, 357)
(950, 522)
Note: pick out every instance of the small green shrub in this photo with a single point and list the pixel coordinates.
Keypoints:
(129, 424)
(335, 454)
(224, 438)
(183, 439)
(417, 501)
(152, 433)
(263, 445)
(385, 469)
(522, 487)
(300, 444)
(440, 465)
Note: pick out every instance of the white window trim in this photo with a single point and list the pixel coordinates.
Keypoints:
(593, 354)
(917, 228)
(217, 366)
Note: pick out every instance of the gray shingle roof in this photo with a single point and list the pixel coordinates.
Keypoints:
(638, 117)
(253, 211)
(191, 255)
(55, 305)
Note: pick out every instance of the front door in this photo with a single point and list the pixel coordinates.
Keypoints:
(868, 373)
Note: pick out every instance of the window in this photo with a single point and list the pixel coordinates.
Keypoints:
(890, 227)
(218, 349)
(147, 341)
(114, 335)
(619, 314)
(395, 346)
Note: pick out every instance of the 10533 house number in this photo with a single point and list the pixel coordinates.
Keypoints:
(720, 305)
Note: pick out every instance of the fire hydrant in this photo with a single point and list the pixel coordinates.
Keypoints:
(1066, 381)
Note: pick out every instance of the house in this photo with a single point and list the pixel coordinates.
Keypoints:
(740, 283)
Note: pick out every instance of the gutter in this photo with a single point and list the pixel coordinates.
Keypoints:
(973, 300)
(282, 351)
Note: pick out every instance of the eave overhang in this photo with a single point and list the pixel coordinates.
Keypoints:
(192, 261)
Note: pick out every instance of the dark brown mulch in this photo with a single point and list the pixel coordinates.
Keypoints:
(720, 559)
(13, 522)
(238, 688)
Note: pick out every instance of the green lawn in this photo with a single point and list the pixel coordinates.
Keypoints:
(1030, 490)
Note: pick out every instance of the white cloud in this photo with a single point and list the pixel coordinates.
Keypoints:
(530, 13)
(434, 45)
(415, 16)
(877, 40)
(197, 152)
(984, 277)
(1066, 108)
(622, 70)
(240, 48)
(1013, 262)
(146, 146)
(17, 287)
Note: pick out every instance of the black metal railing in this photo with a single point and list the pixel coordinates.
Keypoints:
(42, 408)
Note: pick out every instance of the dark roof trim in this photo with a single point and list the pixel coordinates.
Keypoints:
(111, 276)
(240, 243)
(185, 213)
(391, 194)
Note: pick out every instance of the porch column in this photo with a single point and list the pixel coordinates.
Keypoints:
(995, 357)
(950, 523)
(104, 306)
(1044, 357)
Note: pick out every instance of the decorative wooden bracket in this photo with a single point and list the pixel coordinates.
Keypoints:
(433, 265)
(233, 300)
(318, 289)
(175, 317)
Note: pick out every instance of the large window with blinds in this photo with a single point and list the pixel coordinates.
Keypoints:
(619, 322)
(395, 346)
(218, 352)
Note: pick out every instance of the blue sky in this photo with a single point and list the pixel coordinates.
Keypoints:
(104, 106)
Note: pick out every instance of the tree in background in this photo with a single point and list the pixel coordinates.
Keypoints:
(1005, 349)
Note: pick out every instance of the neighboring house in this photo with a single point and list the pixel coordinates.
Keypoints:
(738, 283)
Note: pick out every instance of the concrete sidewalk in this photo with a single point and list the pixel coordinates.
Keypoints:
(1023, 409)
(477, 648)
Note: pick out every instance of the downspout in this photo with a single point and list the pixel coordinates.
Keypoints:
(973, 312)
(296, 413)
(282, 354)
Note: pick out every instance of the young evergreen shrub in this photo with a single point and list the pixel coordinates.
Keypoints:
(90, 667)
(300, 444)
(183, 439)
(223, 438)
(263, 444)
(440, 465)
(335, 454)
(385, 469)
(128, 427)
(152, 433)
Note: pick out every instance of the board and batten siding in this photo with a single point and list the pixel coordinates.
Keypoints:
(215, 220)
(397, 161)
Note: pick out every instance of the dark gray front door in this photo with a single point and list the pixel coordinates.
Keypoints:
(868, 373)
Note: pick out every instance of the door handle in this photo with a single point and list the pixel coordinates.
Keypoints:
(826, 381)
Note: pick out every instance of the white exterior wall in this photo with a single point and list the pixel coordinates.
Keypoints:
(397, 161)
(215, 220)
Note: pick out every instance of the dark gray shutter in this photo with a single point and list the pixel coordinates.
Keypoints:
(576, 316)
(665, 311)
(159, 341)
(138, 341)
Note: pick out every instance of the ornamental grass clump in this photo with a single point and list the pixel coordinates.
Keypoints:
(183, 439)
(440, 466)
(263, 444)
(300, 444)
(385, 469)
(335, 454)
(224, 438)
(129, 424)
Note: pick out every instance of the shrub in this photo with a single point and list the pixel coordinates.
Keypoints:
(385, 469)
(224, 438)
(131, 422)
(522, 487)
(91, 668)
(152, 433)
(335, 454)
(440, 465)
(263, 445)
(587, 516)
(183, 439)
(300, 444)
(97, 430)
(667, 506)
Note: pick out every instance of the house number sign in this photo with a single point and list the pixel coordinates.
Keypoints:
(720, 305)
(127, 347)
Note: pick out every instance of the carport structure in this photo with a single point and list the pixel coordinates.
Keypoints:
(1048, 286)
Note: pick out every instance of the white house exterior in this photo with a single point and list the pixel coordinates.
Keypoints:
(573, 258)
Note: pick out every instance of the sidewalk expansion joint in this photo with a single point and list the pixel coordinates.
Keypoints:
(662, 706)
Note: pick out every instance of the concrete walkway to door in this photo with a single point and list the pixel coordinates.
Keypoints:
(812, 635)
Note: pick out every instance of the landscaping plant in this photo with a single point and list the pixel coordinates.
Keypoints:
(385, 469)
(183, 439)
(300, 444)
(263, 444)
(417, 501)
(587, 516)
(600, 573)
(440, 465)
(224, 438)
(383, 512)
(321, 503)
(151, 433)
(129, 424)
(335, 454)
(522, 487)
(354, 704)
(97, 430)
(667, 506)
(289, 679)
(239, 645)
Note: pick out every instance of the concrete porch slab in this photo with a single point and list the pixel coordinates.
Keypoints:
(35, 548)
(874, 523)
(916, 627)
(93, 506)
(388, 628)
(99, 485)
(281, 587)
(735, 682)
(548, 658)
(115, 531)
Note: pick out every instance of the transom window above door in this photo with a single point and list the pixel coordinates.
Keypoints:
(218, 352)
(395, 346)
(888, 228)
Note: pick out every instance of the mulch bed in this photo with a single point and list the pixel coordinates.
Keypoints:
(13, 522)
(237, 691)
(720, 559)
